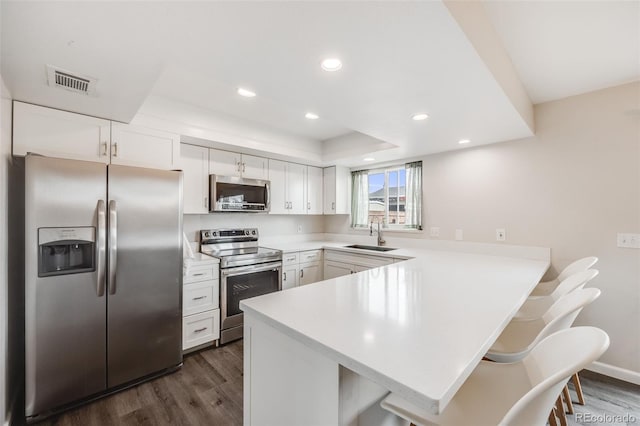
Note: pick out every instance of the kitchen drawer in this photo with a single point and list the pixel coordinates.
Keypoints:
(310, 256)
(197, 273)
(200, 297)
(289, 259)
(201, 328)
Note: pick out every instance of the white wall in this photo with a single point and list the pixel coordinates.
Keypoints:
(572, 187)
(5, 150)
(268, 225)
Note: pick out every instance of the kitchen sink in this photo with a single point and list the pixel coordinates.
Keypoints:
(373, 248)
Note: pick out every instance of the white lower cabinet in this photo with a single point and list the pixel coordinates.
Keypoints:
(338, 263)
(200, 303)
(310, 273)
(336, 269)
(301, 268)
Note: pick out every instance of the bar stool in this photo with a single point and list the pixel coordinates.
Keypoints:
(535, 307)
(544, 288)
(522, 392)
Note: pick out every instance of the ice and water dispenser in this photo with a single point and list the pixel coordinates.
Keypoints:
(64, 251)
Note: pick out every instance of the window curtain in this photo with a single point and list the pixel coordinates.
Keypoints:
(360, 199)
(413, 203)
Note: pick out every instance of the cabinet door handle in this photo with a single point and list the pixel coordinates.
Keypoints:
(115, 149)
(104, 149)
(333, 205)
(200, 330)
(238, 166)
(308, 205)
(301, 273)
(285, 276)
(243, 167)
(206, 202)
(199, 298)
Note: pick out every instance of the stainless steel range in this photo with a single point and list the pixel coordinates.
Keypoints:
(246, 270)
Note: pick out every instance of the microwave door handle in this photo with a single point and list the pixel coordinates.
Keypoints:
(268, 196)
(113, 246)
(101, 247)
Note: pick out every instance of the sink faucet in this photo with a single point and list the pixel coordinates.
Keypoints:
(381, 240)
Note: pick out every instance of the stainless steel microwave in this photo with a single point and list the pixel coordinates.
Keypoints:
(235, 194)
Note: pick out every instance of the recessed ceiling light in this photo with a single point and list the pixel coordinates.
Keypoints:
(245, 92)
(421, 116)
(331, 64)
(311, 116)
(369, 159)
(463, 141)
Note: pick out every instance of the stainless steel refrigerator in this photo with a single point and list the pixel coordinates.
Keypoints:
(103, 278)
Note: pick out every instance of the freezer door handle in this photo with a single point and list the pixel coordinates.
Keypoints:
(113, 246)
(101, 249)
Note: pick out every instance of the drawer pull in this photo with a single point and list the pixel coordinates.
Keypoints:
(311, 256)
(200, 330)
(198, 275)
(291, 259)
(199, 297)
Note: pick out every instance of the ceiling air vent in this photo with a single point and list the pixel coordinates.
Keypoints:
(74, 82)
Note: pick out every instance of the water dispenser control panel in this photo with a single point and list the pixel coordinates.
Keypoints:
(66, 250)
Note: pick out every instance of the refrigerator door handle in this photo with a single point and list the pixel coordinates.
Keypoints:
(113, 246)
(101, 249)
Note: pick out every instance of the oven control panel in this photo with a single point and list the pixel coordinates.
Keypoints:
(212, 236)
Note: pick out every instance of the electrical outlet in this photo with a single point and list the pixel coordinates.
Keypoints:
(459, 236)
(501, 234)
(299, 229)
(434, 232)
(629, 240)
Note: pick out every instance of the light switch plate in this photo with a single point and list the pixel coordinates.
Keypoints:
(434, 231)
(501, 234)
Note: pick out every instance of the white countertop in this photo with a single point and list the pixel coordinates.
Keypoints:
(418, 327)
(341, 246)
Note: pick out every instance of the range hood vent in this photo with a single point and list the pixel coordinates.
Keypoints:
(67, 80)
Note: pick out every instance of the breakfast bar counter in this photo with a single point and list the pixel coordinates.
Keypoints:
(325, 354)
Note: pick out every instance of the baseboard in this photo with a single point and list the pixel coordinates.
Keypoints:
(615, 372)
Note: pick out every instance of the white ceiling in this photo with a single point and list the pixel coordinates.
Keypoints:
(399, 58)
(564, 48)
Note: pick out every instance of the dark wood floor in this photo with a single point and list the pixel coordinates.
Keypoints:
(208, 391)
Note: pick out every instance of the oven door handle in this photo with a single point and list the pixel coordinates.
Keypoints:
(241, 270)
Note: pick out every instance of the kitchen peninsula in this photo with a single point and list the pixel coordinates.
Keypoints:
(328, 352)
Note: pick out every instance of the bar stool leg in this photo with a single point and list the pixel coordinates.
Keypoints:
(560, 411)
(567, 399)
(578, 386)
(552, 418)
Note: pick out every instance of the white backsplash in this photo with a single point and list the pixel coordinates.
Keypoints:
(269, 226)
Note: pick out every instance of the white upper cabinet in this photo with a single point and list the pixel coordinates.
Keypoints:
(194, 161)
(314, 190)
(226, 163)
(61, 134)
(64, 134)
(255, 167)
(287, 187)
(143, 147)
(337, 190)
(296, 177)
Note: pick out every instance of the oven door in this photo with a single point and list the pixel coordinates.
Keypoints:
(245, 282)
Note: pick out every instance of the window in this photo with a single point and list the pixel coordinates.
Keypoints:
(392, 196)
